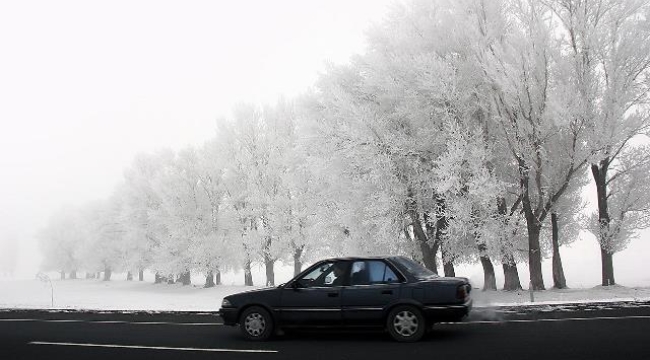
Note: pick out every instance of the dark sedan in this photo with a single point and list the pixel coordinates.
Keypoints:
(394, 293)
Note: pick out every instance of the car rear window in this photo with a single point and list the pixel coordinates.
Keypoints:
(372, 272)
(414, 268)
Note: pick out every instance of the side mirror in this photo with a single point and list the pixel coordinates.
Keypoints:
(297, 284)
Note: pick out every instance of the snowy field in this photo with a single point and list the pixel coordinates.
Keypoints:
(134, 295)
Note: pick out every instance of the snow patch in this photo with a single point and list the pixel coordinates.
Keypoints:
(145, 296)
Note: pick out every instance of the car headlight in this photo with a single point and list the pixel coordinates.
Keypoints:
(226, 303)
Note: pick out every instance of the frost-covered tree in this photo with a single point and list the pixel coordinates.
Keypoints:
(628, 204)
(608, 42)
(143, 233)
(138, 199)
(186, 212)
(258, 143)
(530, 103)
(211, 251)
(395, 116)
(103, 236)
(60, 241)
(389, 123)
(565, 225)
(470, 190)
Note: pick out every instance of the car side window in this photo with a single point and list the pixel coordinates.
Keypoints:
(328, 274)
(316, 277)
(359, 273)
(372, 272)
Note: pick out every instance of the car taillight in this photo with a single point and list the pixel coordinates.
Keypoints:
(462, 291)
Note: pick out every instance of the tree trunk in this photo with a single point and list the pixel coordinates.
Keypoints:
(535, 258)
(599, 172)
(533, 226)
(186, 278)
(217, 277)
(107, 274)
(297, 262)
(270, 274)
(510, 273)
(141, 275)
(209, 280)
(489, 277)
(73, 274)
(447, 262)
(248, 276)
(428, 251)
(511, 277)
(449, 269)
(62, 273)
(559, 281)
(129, 276)
(441, 227)
(607, 260)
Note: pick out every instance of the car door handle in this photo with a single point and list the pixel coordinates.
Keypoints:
(387, 292)
(333, 294)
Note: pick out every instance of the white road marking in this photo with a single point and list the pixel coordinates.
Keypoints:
(112, 322)
(598, 318)
(114, 346)
(109, 322)
(64, 320)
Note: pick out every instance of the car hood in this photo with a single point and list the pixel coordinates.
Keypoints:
(255, 291)
(264, 295)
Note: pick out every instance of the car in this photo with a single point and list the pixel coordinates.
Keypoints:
(393, 292)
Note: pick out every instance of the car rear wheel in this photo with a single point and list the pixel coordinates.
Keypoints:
(256, 323)
(405, 323)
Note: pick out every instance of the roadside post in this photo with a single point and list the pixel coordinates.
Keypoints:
(46, 279)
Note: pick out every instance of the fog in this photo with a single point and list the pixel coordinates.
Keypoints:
(84, 86)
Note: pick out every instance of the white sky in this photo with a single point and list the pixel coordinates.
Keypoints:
(85, 85)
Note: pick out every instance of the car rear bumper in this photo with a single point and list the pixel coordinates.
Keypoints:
(455, 312)
(229, 316)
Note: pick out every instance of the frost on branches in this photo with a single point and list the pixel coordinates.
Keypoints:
(465, 133)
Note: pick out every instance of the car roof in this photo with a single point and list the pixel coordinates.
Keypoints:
(359, 258)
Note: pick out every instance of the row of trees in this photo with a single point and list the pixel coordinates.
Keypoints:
(466, 132)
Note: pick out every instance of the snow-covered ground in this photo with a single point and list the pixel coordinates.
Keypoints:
(134, 295)
(556, 296)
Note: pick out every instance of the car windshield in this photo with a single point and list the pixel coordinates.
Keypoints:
(414, 268)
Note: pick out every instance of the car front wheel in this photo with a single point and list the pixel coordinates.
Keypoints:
(406, 324)
(256, 323)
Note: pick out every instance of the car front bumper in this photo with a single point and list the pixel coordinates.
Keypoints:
(229, 315)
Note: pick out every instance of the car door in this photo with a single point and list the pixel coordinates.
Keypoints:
(314, 299)
(373, 286)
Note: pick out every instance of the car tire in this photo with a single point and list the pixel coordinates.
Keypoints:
(256, 323)
(405, 323)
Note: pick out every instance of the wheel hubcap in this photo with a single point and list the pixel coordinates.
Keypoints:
(255, 324)
(405, 323)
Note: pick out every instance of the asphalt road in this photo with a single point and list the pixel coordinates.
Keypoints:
(612, 331)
